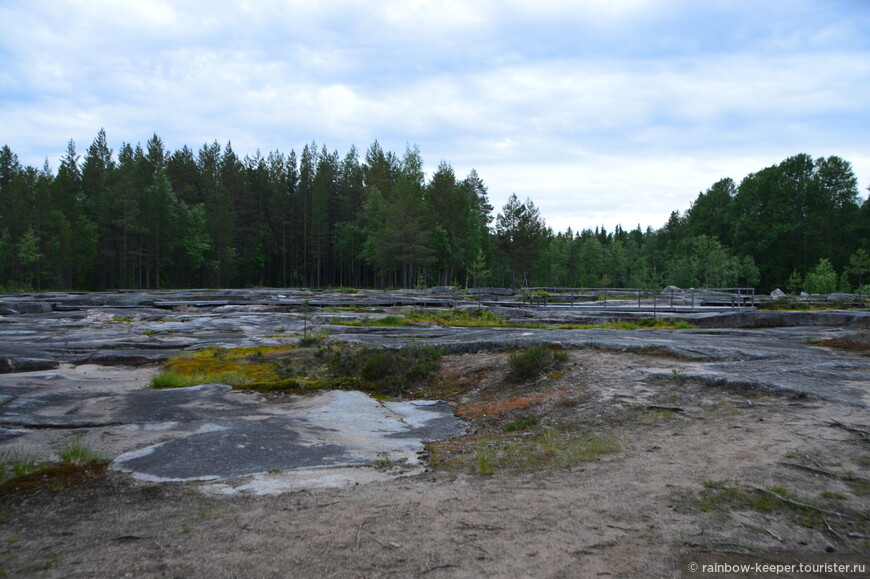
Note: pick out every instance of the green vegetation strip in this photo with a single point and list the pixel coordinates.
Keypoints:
(481, 318)
(478, 318)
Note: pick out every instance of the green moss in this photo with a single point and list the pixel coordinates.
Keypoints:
(293, 386)
(294, 369)
(53, 477)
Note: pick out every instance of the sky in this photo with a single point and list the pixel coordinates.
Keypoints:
(602, 112)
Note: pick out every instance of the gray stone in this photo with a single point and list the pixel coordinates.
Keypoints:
(27, 307)
(490, 291)
(778, 294)
(11, 364)
(842, 297)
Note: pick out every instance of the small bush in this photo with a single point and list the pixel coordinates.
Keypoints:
(534, 361)
(385, 371)
(311, 340)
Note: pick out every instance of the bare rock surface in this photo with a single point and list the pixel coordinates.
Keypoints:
(208, 481)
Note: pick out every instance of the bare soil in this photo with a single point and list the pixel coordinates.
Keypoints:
(631, 510)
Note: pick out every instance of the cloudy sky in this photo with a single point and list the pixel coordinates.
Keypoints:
(603, 112)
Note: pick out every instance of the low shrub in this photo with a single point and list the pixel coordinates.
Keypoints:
(392, 372)
(534, 361)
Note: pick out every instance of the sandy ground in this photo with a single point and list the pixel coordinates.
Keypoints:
(631, 512)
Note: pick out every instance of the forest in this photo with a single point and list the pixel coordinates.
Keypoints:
(152, 218)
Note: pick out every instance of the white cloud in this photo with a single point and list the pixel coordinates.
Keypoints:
(596, 108)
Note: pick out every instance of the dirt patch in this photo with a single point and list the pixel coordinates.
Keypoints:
(666, 451)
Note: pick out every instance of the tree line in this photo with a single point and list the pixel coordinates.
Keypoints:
(152, 218)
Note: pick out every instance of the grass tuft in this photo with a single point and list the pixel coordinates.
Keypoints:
(77, 452)
(522, 423)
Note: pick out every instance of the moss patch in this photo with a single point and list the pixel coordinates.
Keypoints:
(298, 370)
(54, 477)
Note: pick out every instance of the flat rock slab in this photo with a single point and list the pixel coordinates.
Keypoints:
(81, 371)
(334, 429)
(214, 434)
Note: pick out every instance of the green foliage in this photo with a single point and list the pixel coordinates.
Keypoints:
(148, 217)
(520, 234)
(311, 340)
(859, 265)
(462, 318)
(532, 362)
(795, 282)
(822, 279)
(392, 372)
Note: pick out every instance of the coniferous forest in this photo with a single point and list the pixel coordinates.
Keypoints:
(152, 218)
